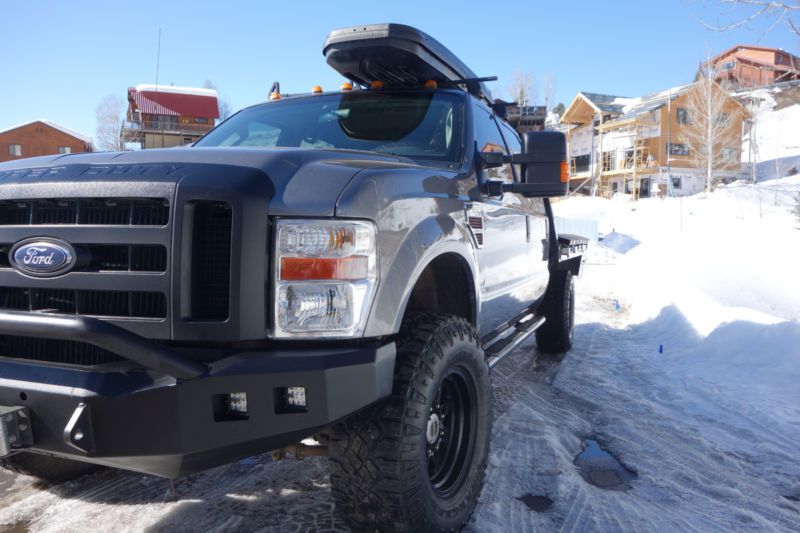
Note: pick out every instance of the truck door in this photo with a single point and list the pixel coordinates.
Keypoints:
(513, 272)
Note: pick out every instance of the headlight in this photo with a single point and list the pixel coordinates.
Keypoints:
(325, 277)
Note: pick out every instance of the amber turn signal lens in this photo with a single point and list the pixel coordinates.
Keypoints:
(324, 268)
(430, 84)
(377, 84)
(564, 172)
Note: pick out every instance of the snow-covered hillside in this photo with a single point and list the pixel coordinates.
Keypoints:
(686, 367)
(775, 131)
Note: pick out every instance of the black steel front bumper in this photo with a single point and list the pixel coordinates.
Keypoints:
(163, 419)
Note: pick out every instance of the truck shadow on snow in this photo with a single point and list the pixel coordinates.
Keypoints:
(542, 421)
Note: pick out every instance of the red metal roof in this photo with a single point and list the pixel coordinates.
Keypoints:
(166, 102)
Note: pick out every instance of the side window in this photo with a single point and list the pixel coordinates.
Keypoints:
(514, 144)
(488, 139)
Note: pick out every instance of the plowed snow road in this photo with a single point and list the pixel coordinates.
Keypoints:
(710, 425)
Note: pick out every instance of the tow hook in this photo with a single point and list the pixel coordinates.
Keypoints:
(15, 429)
(299, 451)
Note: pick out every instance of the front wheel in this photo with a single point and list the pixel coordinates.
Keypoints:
(416, 462)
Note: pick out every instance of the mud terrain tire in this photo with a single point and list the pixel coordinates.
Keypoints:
(416, 461)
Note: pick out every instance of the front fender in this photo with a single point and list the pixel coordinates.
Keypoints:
(420, 215)
(429, 239)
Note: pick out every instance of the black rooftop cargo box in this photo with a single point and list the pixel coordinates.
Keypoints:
(397, 55)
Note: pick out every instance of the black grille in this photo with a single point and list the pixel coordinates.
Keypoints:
(211, 260)
(55, 351)
(131, 258)
(85, 211)
(112, 258)
(85, 302)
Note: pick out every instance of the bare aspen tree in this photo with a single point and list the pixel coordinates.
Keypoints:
(222, 103)
(549, 86)
(739, 13)
(523, 88)
(709, 132)
(110, 117)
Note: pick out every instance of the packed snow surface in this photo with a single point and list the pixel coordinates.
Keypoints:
(685, 367)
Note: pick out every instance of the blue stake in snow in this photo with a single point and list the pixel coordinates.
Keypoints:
(660, 348)
(617, 307)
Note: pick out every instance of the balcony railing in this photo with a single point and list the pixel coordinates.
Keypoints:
(131, 128)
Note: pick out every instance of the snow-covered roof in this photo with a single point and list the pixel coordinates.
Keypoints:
(607, 102)
(54, 125)
(197, 91)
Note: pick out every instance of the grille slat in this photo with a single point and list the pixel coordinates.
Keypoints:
(125, 304)
(55, 351)
(211, 261)
(112, 257)
(85, 211)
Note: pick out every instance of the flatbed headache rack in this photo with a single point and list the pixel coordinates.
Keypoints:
(398, 56)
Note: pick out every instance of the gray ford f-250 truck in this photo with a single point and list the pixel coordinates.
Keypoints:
(344, 265)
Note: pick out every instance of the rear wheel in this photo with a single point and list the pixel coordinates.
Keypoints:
(416, 462)
(47, 467)
(558, 308)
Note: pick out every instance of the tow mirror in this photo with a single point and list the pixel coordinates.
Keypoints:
(545, 171)
(545, 167)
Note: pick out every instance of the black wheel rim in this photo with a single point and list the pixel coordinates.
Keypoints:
(450, 432)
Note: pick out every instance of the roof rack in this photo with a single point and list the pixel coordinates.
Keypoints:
(398, 56)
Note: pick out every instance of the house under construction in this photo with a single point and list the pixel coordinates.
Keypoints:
(634, 145)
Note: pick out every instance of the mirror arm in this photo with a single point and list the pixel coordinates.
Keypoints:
(496, 159)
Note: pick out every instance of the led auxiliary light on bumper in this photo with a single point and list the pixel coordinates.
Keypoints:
(326, 275)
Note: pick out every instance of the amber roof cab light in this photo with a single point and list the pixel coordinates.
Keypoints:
(377, 84)
(316, 89)
(347, 86)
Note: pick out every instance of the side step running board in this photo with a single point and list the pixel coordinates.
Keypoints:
(512, 338)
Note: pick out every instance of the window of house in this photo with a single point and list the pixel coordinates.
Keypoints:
(15, 150)
(678, 149)
(682, 115)
(200, 120)
(724, 119)
(614, 187)
(781, 59)
(730, 154)
(629, 158)
(676, 182)
(166, 122)
(64, 150)
(580, 163)
(728, 65)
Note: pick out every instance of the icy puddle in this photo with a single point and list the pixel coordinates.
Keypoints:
(601, 469)
(539, 504)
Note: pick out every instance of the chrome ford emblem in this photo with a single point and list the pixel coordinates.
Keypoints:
(42, 257)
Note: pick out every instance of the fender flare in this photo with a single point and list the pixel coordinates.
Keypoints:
(420, 246)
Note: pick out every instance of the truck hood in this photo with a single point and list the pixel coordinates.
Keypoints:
(304, 182)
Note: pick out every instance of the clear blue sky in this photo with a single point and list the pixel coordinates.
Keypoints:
(61, 58)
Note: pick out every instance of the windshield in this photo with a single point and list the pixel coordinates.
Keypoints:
(424, 125)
